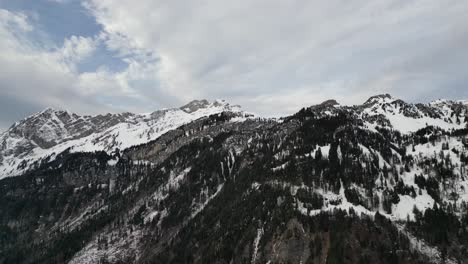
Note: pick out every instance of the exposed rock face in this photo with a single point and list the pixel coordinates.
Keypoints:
(330, 103)
(51, 132)
(195, 105)
(329, 184)
(379, 98)
(51, 127)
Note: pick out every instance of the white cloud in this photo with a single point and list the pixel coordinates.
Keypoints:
(270, 50)
(14, 20)
(48, 76)
(271, 57)
(77, 48)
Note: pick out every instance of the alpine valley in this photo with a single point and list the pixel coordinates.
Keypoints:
(381, 182)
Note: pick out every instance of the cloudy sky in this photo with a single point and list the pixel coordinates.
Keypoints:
(272, 57)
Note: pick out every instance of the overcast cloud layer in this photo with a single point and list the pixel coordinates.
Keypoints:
(271, 57)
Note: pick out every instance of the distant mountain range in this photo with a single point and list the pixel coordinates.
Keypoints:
(381, 182)
(50, 132)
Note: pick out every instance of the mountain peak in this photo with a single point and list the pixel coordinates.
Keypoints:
(51, 110)
(330, 103)
(195, 105)
(220, 102)
(48, 110)
(380, 98)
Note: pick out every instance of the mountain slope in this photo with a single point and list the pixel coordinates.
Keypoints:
(411, 117)
(329, 184)
(50, 132)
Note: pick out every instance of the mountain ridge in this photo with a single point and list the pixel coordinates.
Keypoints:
(53, 128)
(328, 184)
(50, 132)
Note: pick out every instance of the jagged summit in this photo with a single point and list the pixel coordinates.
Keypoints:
(191, 107)
(328, 107)
(195, 105)
(52, 131)
(48, 110)
(330, 103)
(380, 98)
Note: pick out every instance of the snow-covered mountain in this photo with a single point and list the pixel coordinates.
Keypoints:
(382, 182)
(407, 117)
(50, 132)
